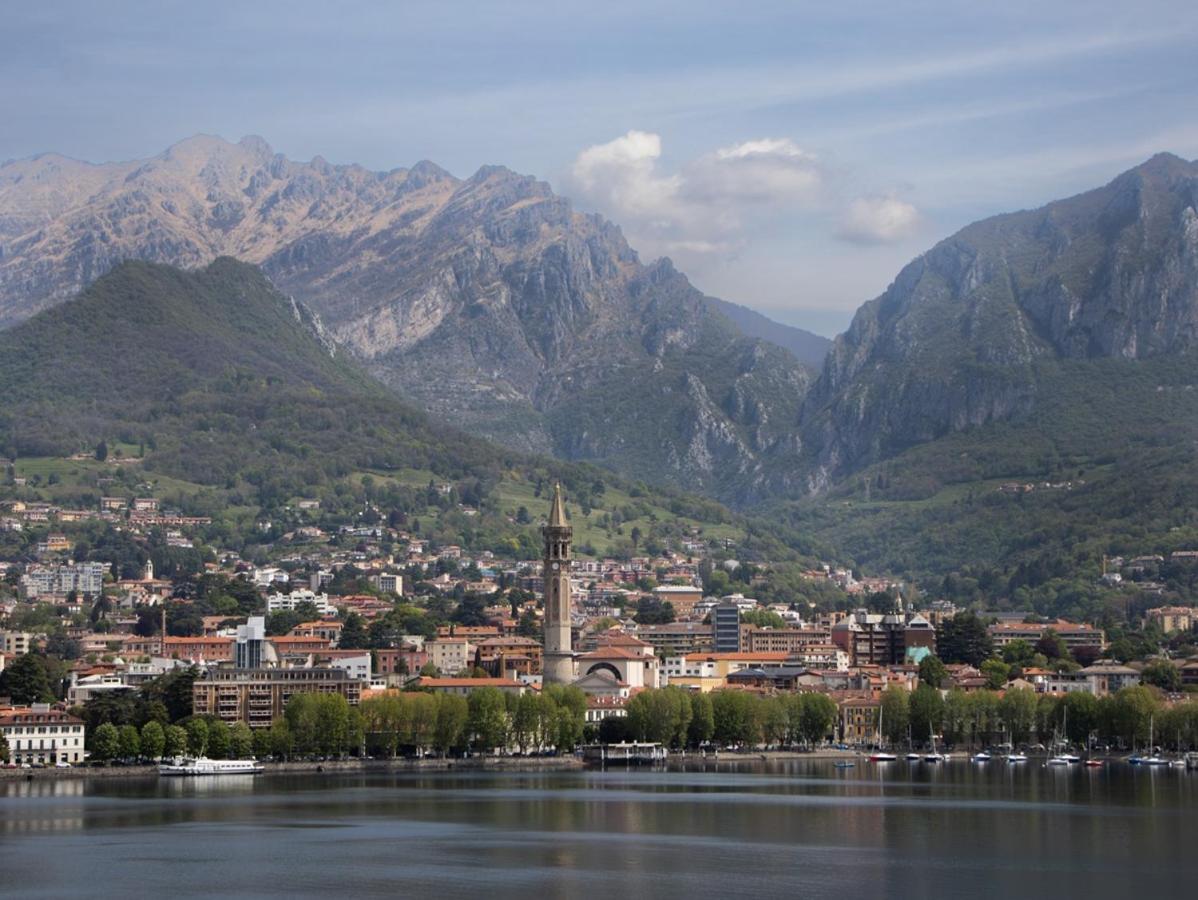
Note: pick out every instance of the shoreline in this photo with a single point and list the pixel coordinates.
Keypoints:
(331, 767)
(428, 764)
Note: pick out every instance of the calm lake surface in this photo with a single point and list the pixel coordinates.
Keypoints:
(786, 828)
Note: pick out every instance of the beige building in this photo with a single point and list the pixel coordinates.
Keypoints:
(1171, 618)
(450, 655)
(782, 640)
(1074, 636)
(15, 643)
(259, 696)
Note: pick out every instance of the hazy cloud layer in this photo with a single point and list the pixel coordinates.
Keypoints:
(878, 220)
(781, 148)
(705, 205)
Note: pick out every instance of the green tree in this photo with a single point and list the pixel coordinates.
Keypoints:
(197, 737)
(1017, 709)
(129, 741)
(106, 742)
(996, 672)
(453, 711)
(175, 740)
(1018, 653)
(964, 639)
(153, 740)
(4, 749)
(570, 715)
(1162, 674)
(102, 451)
(282, 743)
(817, 717)
(353, 633)
(737, 718)
(487, 720)
(219, 739)
(1052, 646)
(927, 711)
(24, 681)
(896, 713)
(261, 745)
(241, 741)
(932, 671)
(702, 724)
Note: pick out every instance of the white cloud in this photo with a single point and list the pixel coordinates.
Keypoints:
(707, 204)
(879, 219)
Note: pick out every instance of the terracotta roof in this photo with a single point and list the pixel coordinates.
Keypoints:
(612, 653)
(469, 682)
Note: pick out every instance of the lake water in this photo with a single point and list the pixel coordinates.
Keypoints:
(786, 828)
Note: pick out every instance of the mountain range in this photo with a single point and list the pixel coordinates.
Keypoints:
(1027, 345)
(488, 301)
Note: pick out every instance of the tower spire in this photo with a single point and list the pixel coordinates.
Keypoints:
(558, 667)
(557, 512)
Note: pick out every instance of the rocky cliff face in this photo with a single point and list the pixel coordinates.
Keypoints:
(954, 341)
(488, 300)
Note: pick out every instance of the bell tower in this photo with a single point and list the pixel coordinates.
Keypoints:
(559, 653)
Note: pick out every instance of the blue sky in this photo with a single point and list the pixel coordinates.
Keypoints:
(789, 156)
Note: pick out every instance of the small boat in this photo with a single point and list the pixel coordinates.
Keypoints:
(1155, 759)
(983, 757)
(934, 756)
(194, 766)
(914, 757)
(843, 765)
(1192, 760)
(882, 757)
(1016, 757)
(1134, 760)
(1094, 763)
(1177, 763)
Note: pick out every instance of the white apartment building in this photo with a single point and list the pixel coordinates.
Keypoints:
(288, 602)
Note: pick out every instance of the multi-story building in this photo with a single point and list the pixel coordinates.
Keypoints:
(859, 719)
(677, 637)
(41, 734)
(16, 643)
(1074, 636)
(500, 655)
(784, 640)
(450, 655)
(259, 696)
(1172, 618)
(326, 629)
(682, 597)
(197, 649)
(820, 656)
(388, 583)
(885, 640)
(251, 641)
(288, 602)
(725, 627)
(405, 660)
(85, 578)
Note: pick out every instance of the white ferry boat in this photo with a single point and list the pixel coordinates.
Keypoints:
(186, 765)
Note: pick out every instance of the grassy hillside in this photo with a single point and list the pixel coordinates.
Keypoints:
(1109, 448)
(214, 391)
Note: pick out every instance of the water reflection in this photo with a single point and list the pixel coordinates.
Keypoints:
(711, 829)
